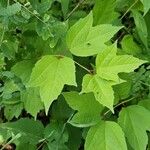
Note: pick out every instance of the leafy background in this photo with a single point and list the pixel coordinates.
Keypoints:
(74, 74)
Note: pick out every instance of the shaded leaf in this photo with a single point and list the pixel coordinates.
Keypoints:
(88, 108)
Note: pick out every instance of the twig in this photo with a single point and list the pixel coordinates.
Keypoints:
(31, 12)
(128, 9)
(89, 71)
(75, 8)
(123, 102)
(9, 142)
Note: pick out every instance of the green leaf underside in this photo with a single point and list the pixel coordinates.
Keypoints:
(88, 108)
(134, 121)
(50, 74)
(85, 40)
(108, 64)
(101, 88)
(105, 136)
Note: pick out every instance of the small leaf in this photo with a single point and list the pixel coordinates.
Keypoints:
(50, 74)
(88, 108)
(101, 88)
(85, 40)
(135, 121)
(105, 136)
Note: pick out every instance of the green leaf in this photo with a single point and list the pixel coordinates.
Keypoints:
(129, 46)
(23, 70)
(146, 4)
(50, 74)
(75, 137)
(60, 110)
(88, 109)
(26, 146)
(41, 6)
(32, 101)
(30, 130)
(145, 103)
(101, 88)
(9, 88)
(9, 48)
(104, 11)
(85, 40)
(10, 10)
(65, 5)
(140, 27)
(105, 136)
(55, 137)
(134, 121)
(108, 64)
(11, 111)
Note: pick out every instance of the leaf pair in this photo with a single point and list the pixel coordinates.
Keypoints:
(108, 65)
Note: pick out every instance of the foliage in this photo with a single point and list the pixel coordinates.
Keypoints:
(74, 74)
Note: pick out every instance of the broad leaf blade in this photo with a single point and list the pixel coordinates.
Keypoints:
(134, 121)
(51, 74)
(105, 136)
(109, 64)
(88, 108)
(101, 88)
(104, 11)
(85, 40)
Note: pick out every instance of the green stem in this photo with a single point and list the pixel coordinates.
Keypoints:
(75, 8)
(121, 103)
(9, 142)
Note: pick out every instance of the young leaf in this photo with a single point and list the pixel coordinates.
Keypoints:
(104, 11)
(101, 88)
(105, 136)
(50, 74)
(88, 109)
(134, 121)
(32, 101)
(109, 64)
(85, 40)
